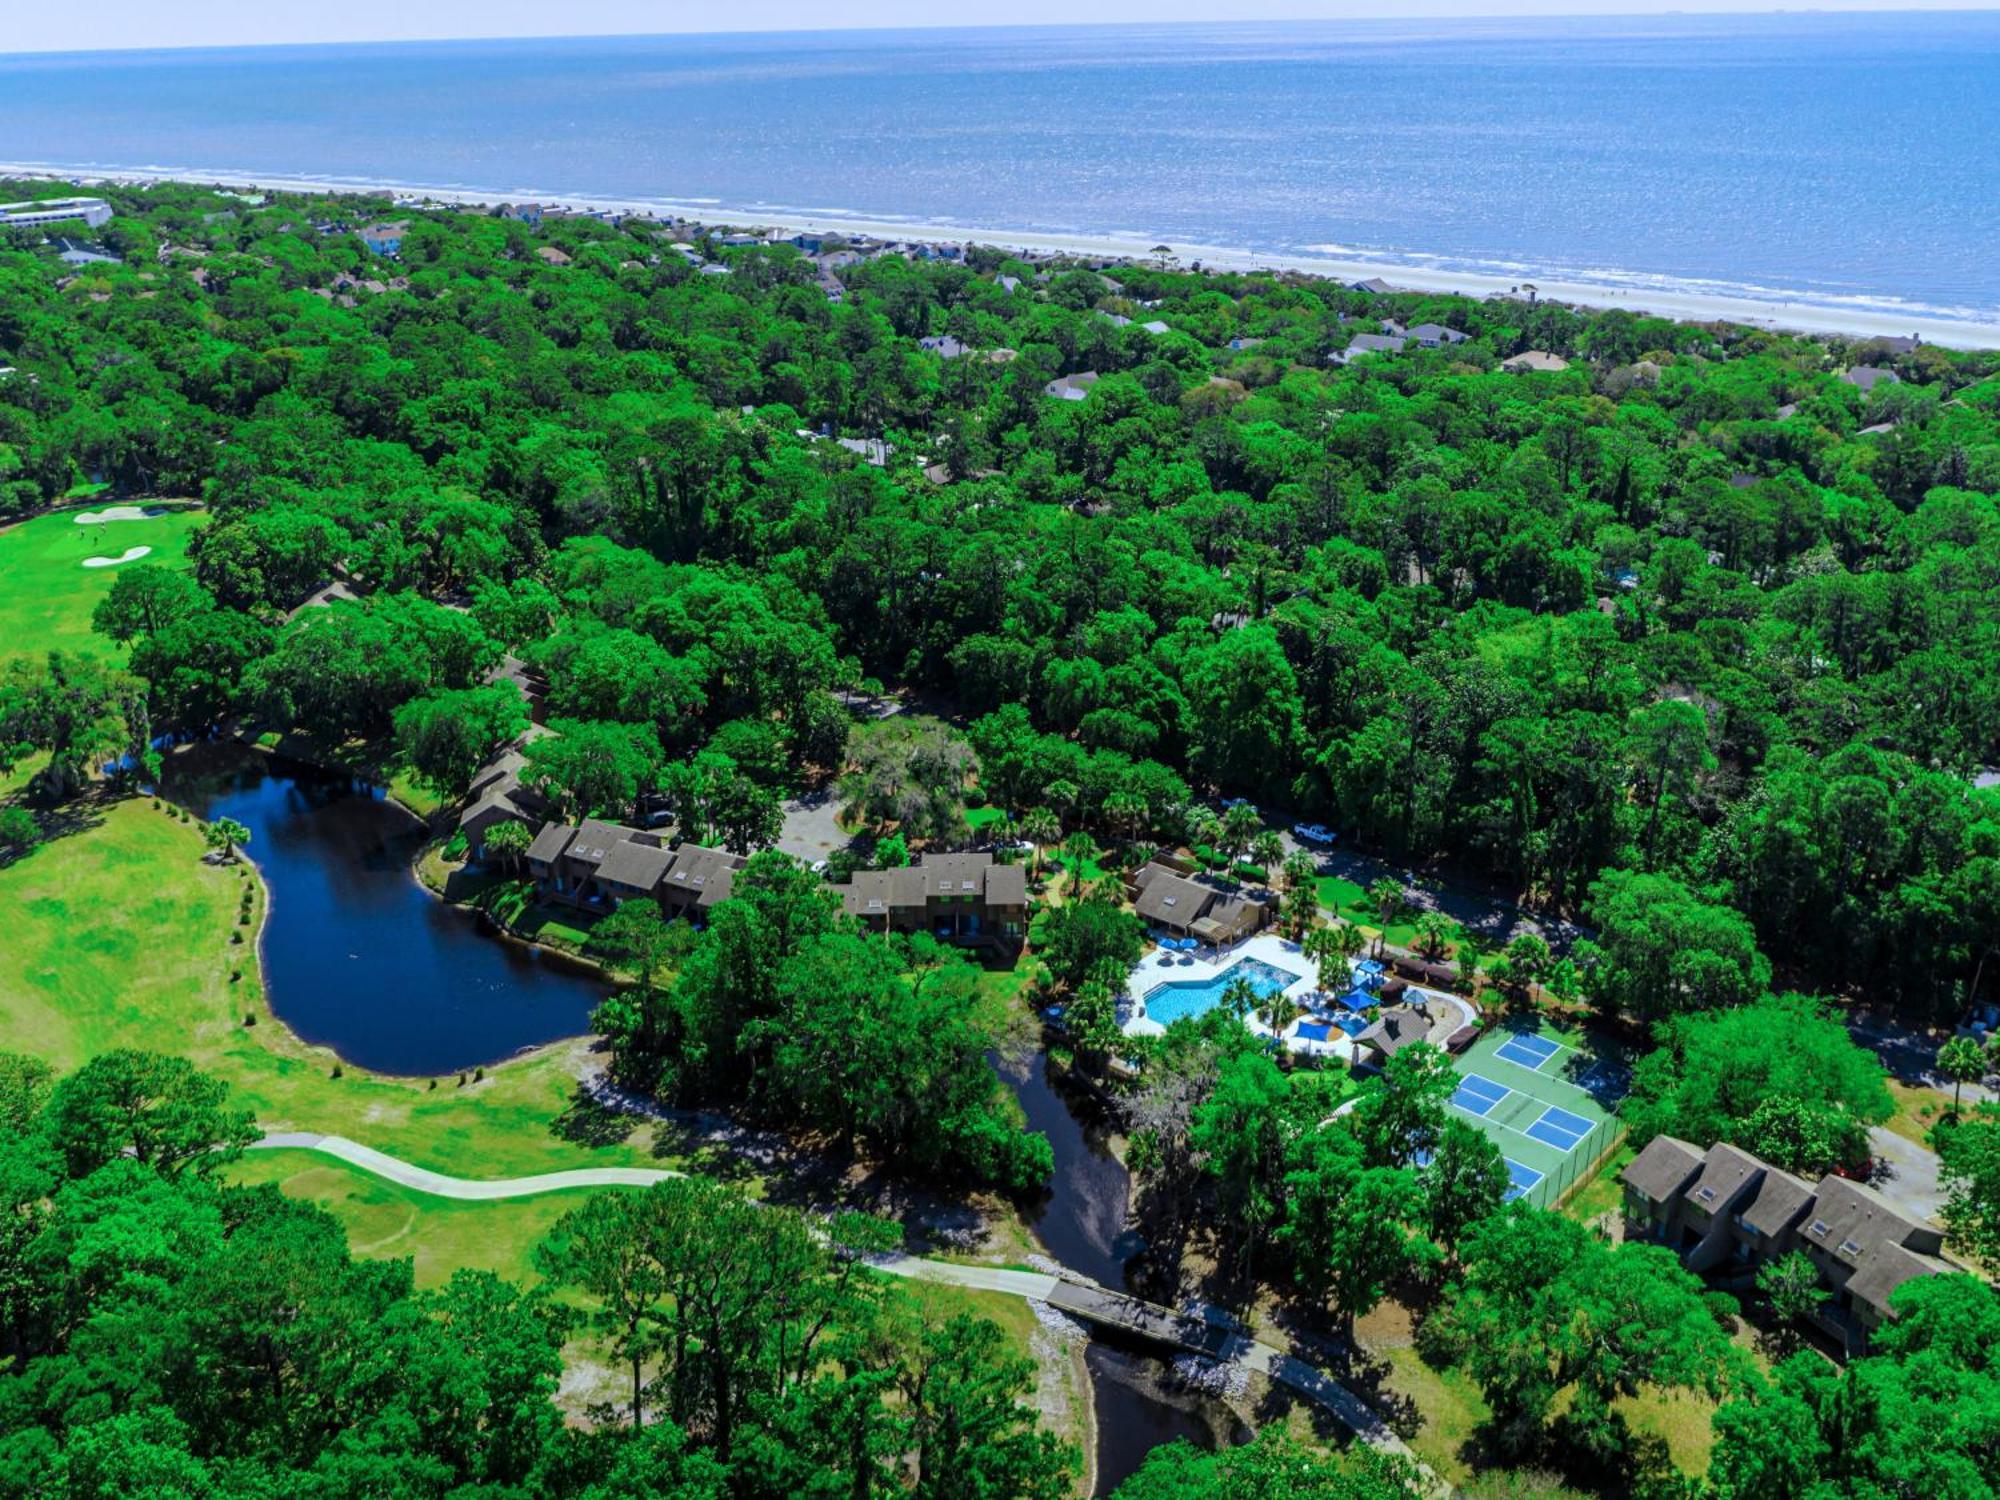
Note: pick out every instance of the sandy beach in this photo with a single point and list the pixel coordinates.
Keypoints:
(1863, 321)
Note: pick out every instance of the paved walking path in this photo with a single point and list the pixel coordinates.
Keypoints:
(403, 1174)
(1205, 1330)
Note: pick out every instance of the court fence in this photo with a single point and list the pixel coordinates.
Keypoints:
(1580, 1164)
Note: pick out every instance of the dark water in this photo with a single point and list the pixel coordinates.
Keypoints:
(357, 955)
(1846, 160)
(1082, 1224)
(1141, 1406)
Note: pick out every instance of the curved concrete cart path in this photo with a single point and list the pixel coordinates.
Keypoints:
(403, 1174)
(1203, 1330)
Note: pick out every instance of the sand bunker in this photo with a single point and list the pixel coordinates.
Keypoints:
(117, 513)
(132, 554)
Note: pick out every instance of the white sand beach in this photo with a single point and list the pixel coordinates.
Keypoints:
(1869, 318)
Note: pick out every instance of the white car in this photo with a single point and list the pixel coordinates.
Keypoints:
(1312, 833)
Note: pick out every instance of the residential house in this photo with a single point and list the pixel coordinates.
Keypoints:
(522, 213)
(1431, 335)
(1008, 284)
(498, 796)
(1865, 378)
(1365, 344)
(1116, 320)
(1727, 1212)
(552, 255)
(1071, 387)
(715, 268)
(385, 239)
(944, 346)
(962, 898)
(1374, 284)
(83, 253)
(600, 866)
(1240, 345)
(871, 451)
(1535, 361)
(1201, 906)
(1155, 328)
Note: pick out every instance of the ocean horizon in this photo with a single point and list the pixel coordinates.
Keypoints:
(1841, 162)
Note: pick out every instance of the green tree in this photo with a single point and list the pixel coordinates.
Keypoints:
(73, 709)
(1662, 950)
(446, 737)
(146, 600)
(586, 769)
(226, 836)
(1963, 1061)
(1969, 1172)
(157, 1110)
(508, 842)
(1081, 938)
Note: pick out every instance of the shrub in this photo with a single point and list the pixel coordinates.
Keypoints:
(336, 1071)
(455, 846)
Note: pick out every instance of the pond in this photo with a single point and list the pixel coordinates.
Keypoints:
(357, 955)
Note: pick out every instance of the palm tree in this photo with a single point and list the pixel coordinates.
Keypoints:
(1240, 997)
(1277, 1012)
(227, 835)
(1077, 850)
(1126, 811)
(1238, 824)
(1301, 870)
(1203, 826)
(1963, 1061)
(1040, 827)
(1433, 932)
(508, 841)
(1388, 898)
(1330, 945)
(1267, 848)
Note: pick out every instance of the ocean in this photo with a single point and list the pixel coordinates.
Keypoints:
(1847, 161)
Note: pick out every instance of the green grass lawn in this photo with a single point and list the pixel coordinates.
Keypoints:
(47, 595)
(1351, 903)
(118, 936)
(977, 818)
(384, 1220)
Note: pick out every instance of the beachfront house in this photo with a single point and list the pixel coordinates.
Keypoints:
(1171, 896)
(961, 898)
(1726, 1212)
(598, 866)
(1374, 285)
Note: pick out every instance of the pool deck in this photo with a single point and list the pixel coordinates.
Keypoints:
(1264, 947)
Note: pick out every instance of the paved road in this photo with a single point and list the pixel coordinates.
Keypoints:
(1203, 1330)
(1905, 1173)
(810, 832)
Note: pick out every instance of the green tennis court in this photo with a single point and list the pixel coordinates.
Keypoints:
(1547, 1102)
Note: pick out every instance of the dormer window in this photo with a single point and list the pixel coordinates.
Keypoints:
(1851, 1249)
(1819, 1229)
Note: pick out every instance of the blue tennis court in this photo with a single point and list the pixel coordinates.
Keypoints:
(1528, 1050)
(1559, 1128)
(1479, 1096)
(1523, 1179)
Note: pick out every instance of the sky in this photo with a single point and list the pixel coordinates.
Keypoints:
(32, 27)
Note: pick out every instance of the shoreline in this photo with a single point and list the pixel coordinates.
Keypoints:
(1779, 312)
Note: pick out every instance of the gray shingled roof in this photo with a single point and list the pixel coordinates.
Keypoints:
(1850, 1221)
(550, 842)
(1725, 1174)
(596, 839)
(1662, 1169)
(636, 862)
(1775, 1202)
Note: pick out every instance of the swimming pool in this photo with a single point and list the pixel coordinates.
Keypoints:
(1175, 1001)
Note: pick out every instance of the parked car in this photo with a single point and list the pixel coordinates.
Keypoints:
(1228, 802)
(1313, 833)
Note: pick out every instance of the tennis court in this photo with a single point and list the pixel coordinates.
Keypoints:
(1547, 1104)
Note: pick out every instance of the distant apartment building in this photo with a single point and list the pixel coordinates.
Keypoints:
(37, 211)
(1727, 1212)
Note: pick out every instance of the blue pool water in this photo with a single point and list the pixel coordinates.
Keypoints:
(1180, 1000)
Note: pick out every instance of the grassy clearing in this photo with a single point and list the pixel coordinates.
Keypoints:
(47, 595)
(119, 936)
(1918, 1109)
(384, 1220)
(1352, 903)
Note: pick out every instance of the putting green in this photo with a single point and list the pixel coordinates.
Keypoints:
(49, 583)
